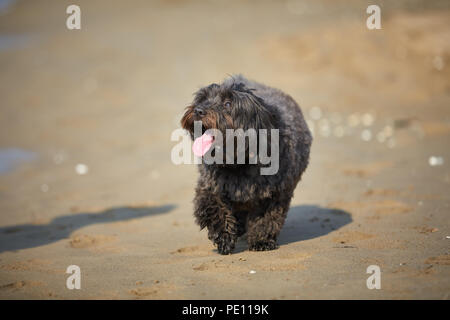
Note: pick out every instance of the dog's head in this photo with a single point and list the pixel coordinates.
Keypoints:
(230, 105)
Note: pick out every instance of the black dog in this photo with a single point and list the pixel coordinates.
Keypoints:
(232, 199)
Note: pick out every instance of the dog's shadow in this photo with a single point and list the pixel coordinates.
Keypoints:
(27, 236)
(306, 222)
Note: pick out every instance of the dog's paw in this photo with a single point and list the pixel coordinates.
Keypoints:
(263, 245)
(225, 243)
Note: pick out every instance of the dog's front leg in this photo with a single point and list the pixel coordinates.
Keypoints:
(264, 226)
(215, 214)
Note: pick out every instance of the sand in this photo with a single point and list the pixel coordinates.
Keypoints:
(108, 97)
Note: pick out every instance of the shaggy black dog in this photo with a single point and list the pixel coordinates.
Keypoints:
(234, 199)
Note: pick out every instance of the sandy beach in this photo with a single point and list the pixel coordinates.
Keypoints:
(86, 176)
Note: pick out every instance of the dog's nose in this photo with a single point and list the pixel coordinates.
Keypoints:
(200, 112)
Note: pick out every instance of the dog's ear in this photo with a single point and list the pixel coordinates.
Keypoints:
(251, 112)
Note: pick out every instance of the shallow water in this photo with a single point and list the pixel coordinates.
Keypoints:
(10, 41)
(5, 5)
(12, 157)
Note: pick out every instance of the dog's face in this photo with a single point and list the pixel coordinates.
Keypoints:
(227, 106)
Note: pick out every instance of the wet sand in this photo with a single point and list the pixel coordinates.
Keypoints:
(108, 97)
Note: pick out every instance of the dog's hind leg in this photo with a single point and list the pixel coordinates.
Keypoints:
(264, 226)
(214, 214)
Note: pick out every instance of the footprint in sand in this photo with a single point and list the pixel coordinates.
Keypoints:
(30, 264)
(351, 236)
(441, 260)
(279, 261)
(143, 292)
(157, 291)
(100, 243)
(378, 208)
(387, 207)
(367, 170)
(21, 284)
(199, 251)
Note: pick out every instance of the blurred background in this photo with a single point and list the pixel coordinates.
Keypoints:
(86, 118)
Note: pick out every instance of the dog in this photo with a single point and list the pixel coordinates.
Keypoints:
(236, 199)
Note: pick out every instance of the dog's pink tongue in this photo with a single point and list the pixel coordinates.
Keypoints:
(202, 144)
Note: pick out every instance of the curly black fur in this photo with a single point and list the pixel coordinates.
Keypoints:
(233, 199)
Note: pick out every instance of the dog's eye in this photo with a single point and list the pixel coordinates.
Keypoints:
(227, 104)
